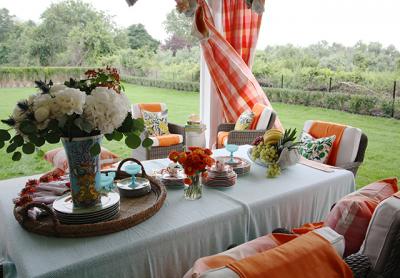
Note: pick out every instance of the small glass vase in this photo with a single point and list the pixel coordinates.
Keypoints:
(195, 190)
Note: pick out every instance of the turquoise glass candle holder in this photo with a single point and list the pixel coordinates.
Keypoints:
(133, 169)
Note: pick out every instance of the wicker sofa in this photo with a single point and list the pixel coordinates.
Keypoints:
(378, 257)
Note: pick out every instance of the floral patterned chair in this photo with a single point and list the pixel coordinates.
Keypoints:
(163, 144)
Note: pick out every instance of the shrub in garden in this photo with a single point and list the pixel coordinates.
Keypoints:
(359, 104)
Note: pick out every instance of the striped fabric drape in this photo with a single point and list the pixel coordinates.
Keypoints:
(228, 57)
(241, 27)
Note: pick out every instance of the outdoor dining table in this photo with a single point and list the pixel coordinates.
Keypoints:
(167, 244)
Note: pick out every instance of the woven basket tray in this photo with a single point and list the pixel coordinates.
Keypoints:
(132, 212)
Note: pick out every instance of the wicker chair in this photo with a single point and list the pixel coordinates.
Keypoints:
(156, 152)
(352, 166)
(160, 152)
(244, 137)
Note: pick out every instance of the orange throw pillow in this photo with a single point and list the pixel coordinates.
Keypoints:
(350, 216)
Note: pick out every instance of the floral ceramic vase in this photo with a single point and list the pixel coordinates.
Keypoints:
(194, 190)
(84, 170)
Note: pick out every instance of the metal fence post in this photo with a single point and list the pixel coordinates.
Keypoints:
(330, 84)
(282, 81)
(394, 97)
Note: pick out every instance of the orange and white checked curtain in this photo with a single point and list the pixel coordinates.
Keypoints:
(228, 57)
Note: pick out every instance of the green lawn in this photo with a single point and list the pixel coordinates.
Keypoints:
(382, 157)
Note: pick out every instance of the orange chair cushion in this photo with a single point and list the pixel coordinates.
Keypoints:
(324, 129)
(222, 138)
(151, 107)
(166, 140)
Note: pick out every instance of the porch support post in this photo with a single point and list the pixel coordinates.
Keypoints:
(210, 105)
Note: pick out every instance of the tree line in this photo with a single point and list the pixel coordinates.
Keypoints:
(73, 33)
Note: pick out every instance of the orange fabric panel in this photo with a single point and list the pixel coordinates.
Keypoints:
(168, 140)
(308, 227)
(324, 129)
(151, 107)
(245, 250)
(392, 182)
(222, 135)
(307, 256)
(257, 109)
(237, 88)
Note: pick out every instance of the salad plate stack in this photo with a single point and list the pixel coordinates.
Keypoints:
(106, 210)
(240, 165)
(220, 176)
(173, 180)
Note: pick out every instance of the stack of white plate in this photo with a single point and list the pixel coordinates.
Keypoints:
(173, 181)
(241, 165)
(106, 210)
(225, 177)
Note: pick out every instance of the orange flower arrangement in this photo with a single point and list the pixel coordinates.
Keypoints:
(195, 161)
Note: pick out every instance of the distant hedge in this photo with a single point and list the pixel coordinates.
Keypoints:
(175, 85)
(358, 104)
(24, 76)
(354, 103)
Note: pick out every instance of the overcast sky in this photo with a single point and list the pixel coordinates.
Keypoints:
(300, 22)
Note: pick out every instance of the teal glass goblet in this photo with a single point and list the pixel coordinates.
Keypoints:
(133, 169)
(231, 148)
(107, 182)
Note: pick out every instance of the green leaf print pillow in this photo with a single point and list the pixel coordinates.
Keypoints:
(316, 149)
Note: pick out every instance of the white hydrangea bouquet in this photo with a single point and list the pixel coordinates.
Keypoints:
(79, 113)
(92, 106)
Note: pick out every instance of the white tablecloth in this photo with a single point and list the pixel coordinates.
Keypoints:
(167, 244)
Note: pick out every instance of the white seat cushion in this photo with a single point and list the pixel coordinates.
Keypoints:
(382, 230)
(349, 144)
(264, 119)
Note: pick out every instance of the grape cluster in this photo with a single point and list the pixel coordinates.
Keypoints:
(269, 154)
(273, 170)
(265, 152)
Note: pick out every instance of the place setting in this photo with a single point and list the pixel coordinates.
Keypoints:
(239, 165)
(220, 175)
